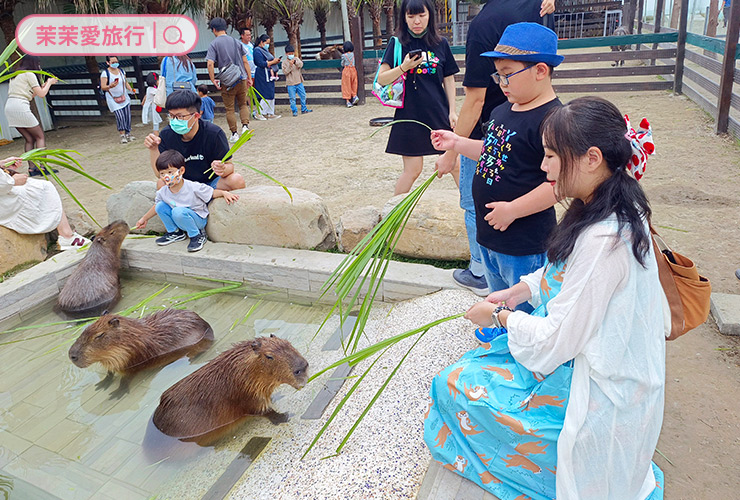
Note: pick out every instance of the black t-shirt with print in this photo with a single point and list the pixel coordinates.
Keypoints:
(484, 34)
(209, 144)
(509, 167)
(424, 100)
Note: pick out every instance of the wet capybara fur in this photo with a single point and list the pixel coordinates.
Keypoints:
(237, 383)
(126, 345)
(94, 286)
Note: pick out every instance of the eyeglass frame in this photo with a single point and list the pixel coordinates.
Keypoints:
(181, 117)
(505, 78)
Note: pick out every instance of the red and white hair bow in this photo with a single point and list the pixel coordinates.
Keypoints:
(642, 144)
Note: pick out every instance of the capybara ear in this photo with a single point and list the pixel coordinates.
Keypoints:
(272, 335)
(255, 344)
(113, 322)
(105, 312)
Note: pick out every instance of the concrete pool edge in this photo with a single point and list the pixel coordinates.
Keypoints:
(299, 274)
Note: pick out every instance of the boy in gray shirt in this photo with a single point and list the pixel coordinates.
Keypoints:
(182, 204)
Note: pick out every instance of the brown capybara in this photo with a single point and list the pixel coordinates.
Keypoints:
(237, 383)
(127, 345)
(94, 286)
(330, 52)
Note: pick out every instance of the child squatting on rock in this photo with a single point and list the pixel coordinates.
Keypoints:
(182, 204)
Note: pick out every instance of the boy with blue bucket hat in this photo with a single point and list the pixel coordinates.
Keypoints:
(513, 200)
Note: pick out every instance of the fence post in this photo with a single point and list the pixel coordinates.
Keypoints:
(681, 47)
(358, 40)
(659, 7)
(728, 68)
(139, 76)
(640, 12)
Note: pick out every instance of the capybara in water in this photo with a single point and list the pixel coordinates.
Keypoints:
(237, 383)
(94, 285)
(128, 345)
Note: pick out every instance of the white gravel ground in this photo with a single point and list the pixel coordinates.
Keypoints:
(386, 457)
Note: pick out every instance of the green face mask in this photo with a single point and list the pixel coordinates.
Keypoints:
(180, 126)
(420, 35)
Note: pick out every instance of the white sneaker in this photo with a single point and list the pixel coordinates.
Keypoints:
(75, 241)
(273, 117)
(260, 117)
(234, 137)
(245, 128)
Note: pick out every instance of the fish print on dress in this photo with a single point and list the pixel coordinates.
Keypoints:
(496, 423)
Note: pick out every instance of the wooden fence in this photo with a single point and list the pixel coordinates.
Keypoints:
(587, 68)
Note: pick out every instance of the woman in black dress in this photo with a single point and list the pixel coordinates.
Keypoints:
(430, 87)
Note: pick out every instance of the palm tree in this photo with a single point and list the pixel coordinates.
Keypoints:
(238, 13)
(290, 15)
(321, 10)
(389, 7)
(375, 9)
(268, 18)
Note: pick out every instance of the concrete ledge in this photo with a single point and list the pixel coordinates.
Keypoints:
(26, 291)
(297, 274)
(725, 309)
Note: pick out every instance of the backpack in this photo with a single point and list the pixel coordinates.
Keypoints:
(100, 91)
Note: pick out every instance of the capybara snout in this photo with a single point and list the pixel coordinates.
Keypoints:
(300, 372)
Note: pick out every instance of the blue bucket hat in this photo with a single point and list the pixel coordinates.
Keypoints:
(527, 42)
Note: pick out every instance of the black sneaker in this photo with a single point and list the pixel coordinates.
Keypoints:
(197, 242)
(168, 238)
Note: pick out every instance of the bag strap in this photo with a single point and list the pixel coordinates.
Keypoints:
(396, 56)
(669, 286)
(397, 51)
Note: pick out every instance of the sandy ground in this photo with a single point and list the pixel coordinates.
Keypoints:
(692, 183)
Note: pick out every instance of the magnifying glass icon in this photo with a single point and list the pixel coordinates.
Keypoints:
(177, 36)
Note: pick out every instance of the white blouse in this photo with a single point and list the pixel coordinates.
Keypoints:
(610, 318)
(33, 208)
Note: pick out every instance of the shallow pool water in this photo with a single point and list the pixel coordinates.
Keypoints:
(61, 437)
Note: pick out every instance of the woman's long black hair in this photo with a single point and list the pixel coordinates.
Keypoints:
(29, 62)
(431, 38)
(570, 131)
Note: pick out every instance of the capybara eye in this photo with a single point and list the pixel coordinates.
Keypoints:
(298, 372)
(268, 356)
(99, 335)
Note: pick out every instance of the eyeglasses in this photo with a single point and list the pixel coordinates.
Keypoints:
(505, 78)
(181, 117)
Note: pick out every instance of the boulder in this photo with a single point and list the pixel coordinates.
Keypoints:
(264, 215)
(355, 225)
(132, 203)
(81, 222)
(20, 248)
(436, 227)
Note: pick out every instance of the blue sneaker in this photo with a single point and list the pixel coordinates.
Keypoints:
(295, 113)
(306, 111)
(466, 279)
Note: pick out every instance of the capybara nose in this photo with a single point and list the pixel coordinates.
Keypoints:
(73, 356)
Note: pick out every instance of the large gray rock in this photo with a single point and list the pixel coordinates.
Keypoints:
(436, 227)
(82, 223)
(132, 203)
(355, 225)
(20, 248)
(264, 215)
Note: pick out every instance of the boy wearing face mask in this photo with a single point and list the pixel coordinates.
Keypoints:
(294, 80)
(201, 143)
(182, 204)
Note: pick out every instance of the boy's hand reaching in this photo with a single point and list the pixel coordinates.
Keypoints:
(444, 140)
(152, 141)
(141, 223)
(230, 197)
(501, 215)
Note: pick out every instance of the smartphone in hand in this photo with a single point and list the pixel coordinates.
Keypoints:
(415, 54)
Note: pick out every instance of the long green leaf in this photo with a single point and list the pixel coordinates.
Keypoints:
(394, 122)
(269, 177)
(377, 394)
(339, 407)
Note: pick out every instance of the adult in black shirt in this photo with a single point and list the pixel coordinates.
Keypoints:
(203, 144)
(481, 96)
(430, 87)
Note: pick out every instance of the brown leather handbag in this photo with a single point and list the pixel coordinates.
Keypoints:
(688, 292)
